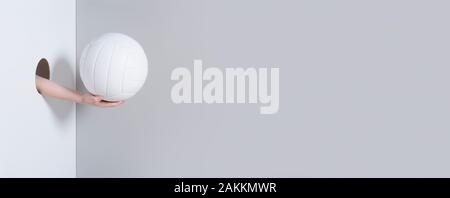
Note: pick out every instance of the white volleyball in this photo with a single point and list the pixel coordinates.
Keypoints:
(113, 66)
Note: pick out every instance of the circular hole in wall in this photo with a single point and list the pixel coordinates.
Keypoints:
(43, 70)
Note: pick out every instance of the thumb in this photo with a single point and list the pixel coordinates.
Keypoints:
(98, 98)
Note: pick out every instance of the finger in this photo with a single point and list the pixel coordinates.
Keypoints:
(110, 104)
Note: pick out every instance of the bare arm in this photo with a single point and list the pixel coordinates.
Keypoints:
(49, 88)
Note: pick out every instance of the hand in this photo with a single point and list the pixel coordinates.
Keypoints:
(98, 101)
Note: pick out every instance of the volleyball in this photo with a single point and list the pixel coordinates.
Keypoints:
(113, 66)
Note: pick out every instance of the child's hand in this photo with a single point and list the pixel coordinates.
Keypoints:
(98, 101)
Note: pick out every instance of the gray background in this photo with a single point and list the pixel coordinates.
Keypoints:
(364, 90)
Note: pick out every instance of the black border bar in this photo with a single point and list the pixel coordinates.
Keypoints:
(152, 186)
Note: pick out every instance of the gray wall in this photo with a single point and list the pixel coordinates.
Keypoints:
(364, 90)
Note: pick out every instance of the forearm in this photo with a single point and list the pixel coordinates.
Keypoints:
(51, 89)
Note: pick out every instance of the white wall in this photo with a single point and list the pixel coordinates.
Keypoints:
(37, 135)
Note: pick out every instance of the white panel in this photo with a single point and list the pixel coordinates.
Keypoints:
(37, 135)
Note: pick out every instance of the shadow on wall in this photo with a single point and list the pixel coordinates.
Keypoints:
(62, 74)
